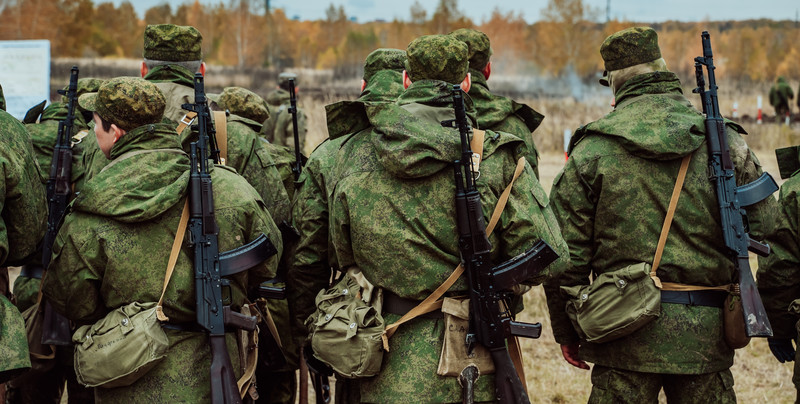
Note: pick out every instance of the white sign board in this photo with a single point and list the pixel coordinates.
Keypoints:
(24, 74)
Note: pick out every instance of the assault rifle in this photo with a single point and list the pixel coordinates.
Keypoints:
(490, 287)
(55, 327)
(213, 292)
(732, 199)
(298, 156)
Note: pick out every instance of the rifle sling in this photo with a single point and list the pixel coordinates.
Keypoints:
(221, 126)
(662, 240)
(433, 301)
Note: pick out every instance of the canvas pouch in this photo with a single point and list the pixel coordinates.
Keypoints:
(454, 357)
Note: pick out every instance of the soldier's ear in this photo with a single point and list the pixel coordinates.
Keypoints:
(203, 68)
(487, 71)
(118, 132)
(144, 69)
(363, 85)
(466, 84)
(406, 79)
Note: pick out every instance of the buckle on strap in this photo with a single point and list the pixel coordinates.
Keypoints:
(189, 118)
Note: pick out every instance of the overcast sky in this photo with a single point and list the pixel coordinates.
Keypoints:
(479, 10)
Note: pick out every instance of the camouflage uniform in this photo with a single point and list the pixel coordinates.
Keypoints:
(611, 199)
(494, 112)
(392, 214)
(113, 247)
(780, 97)
(172, 43)
(312, 259)
(48, 387)
(247, 110)
(22, 205)
(278, 129)
(779, 273)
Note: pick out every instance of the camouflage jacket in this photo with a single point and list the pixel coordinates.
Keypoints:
(392, 215)
(177, 85)
(44, 134)
(779, 273)
(501, 114)
(312, 260)
(113, 249)
(611, 199)
(278, 128)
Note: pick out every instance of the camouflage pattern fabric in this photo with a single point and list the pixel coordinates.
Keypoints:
(177, 85)
(85, 85)
(384, 59)
(113, 248)
(630, 47)
(501, 114)
(385, 176)
(243, 102)
(2, 99)
(22, 207)
(780, 97)
(611, 199)
(128, 102)
(779, 273)
(284, 159)
(621, 386)
(43, 136)
(437, 57)
(172, 43)
(278, 128)
(480, 49)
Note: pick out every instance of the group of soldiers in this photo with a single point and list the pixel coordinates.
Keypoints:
(377, 198)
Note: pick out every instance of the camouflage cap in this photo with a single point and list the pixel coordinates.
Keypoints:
(128, 102)
(480, 50)
(384, 59)
(85, 85)
(630, 47)
(243, 102)
(283, 79)
(437, 57)
(172, 43)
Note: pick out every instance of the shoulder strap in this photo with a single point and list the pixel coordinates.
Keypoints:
(433, 301)
(673, 203)
(221, 126)
(186, 121)
(173, 258)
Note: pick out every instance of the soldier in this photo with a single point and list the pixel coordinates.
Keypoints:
(22, 206)
(611, 199)
(780, 96)
(311, 260)
(779, 273)
(278, 129)
(172, 54)
(247, 109)
(392, 214)
(494, 112)
(111, 250)
(48, 387)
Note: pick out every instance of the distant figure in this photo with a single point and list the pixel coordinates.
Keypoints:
(780, 96)
(278, 129)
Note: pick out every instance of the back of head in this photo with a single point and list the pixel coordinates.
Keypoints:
(243, 102)
(437, 57)
(630, 52)
(128, 102)
(384, 59)
(480, 49)
(173, 44)
(283, 80)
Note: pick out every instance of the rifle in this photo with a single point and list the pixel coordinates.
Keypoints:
(298, 162)
(55, 327)
(732, 199)
(213, 292)
(489, 287)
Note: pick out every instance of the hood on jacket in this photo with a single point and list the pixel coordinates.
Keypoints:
(148, 175)
(408, 135)
(492, 109)
(346, 117)
(652, 118)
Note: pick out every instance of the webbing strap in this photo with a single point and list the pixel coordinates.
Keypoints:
(173, 258)
(433, 301)
(221, 126)
(186, 121)
(246, 380)
(673, 204)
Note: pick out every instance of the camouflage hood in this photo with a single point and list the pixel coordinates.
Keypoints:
(408, 136)
(141, 187)
(58, 111)
(277, 97)
(346, 117)
(493, 109)
(171, 74)
(671, 128)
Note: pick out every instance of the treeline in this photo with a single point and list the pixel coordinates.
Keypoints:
(241, 33)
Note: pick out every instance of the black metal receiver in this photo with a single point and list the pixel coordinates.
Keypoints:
(732, 199)
(489, 287)
(297, 169)
(55, 327)
(213, 292)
